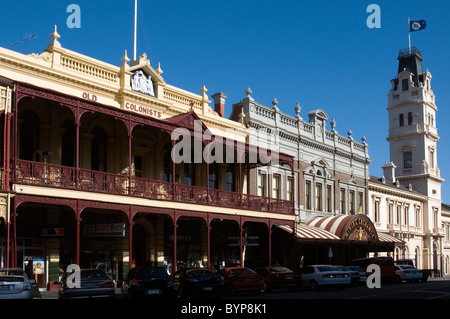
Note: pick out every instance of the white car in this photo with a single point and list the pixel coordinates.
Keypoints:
(14, 284)
(407, 273)
(315, 276)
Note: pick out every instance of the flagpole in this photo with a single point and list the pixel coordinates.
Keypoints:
(409, 34)
(135, 29)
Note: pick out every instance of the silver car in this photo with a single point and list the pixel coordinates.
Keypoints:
(14, 284)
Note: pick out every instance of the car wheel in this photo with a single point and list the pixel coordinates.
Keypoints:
(398, 279)
(313, 285)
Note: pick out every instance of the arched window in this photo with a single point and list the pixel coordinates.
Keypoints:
(407, 160)
(29, 136)
(68, 144)
(401, 120)
(98, 150)
(410, 118)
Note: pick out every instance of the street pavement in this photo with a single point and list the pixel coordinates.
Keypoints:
(352, 293)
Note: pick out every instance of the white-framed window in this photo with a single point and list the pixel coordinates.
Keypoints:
(308, 195)
(276, 186)
(376, 210)
(319, 196)
(261, 191)
(342, 202)
(290, 189)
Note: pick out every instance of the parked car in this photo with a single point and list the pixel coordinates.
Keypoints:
(279, 277)
(354, 274)
(197, 282)
(14, 284)
(385, 263)
(426, 273)
(315, 276)
(407, 273)
(362, 273)
(146, 282)
(94, 283)
(242, 279)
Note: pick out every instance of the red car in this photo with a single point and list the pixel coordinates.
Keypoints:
(279, 277)
(242, 279)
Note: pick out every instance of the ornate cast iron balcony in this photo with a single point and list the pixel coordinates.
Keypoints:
(50, 175)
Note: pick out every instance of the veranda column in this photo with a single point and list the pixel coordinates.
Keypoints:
(175, 243)
(78, 219)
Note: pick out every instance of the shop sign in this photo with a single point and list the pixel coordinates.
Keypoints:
(142, 110)
(52, 231)
(360, 229)
(38, 265)
(246, 241)
(104, 230)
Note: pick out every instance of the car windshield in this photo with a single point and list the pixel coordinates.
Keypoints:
(355, 268)
(241, 271)
(408, 267)
(93, 274)
(327, 268)
(274, 270)
(200, 271)
(151, 272)
(11, 272)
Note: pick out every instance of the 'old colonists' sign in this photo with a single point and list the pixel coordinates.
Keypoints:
(142, 83)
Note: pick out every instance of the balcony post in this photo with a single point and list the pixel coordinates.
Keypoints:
(78, 219)
(130, 254)
(129, 158)
(77, 149)
(173, 174)
(241, 252)
(208, 225)
(270, 243)
(175, 242)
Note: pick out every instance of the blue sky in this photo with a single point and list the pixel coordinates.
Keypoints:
(318, 53)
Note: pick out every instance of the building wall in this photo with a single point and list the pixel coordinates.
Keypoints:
(323, 157)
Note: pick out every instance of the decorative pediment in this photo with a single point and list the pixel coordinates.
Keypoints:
(144, 77)
(188, 121)
(319, 168)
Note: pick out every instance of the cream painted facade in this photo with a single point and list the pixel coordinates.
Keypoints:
(406, 201)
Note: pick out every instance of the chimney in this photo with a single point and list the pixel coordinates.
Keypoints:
(219, 103)
(389, 171)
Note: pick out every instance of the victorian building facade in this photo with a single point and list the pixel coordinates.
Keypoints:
(329, 185)
(90, 175)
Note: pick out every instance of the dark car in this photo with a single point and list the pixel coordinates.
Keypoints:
(279, 277)
(362, 273)
(200, 282)
(242, 279)
(93, 283)
(146, 282)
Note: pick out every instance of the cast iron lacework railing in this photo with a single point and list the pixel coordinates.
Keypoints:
(50, 175)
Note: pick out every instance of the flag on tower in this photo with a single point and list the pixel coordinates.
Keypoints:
(417, 25)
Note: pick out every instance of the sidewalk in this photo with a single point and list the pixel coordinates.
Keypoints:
(54, 294)
(445, 277)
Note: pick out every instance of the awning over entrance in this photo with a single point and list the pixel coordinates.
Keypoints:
(353, 227)
(390, 239)
(308, 232)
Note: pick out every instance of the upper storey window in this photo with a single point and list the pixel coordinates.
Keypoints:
(405, 85)
(401, 120)
(410, 118)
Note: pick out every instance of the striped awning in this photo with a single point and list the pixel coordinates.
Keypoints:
(389, 238)
(308, 232)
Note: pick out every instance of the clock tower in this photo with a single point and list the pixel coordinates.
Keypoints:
(413, 136)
